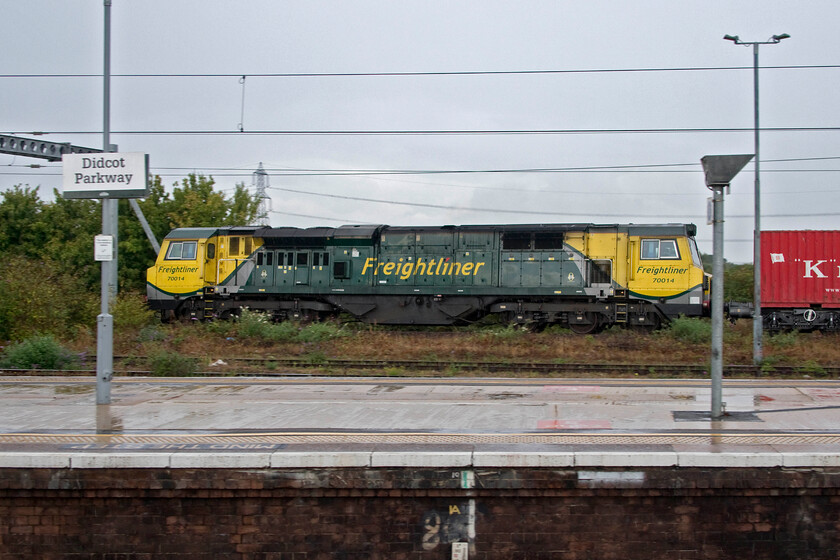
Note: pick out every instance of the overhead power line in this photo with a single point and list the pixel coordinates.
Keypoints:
(429, 205)
(245, 174)
(526, 212)
(420, 73)
(640, 166)
(432, 132)
(618, 168)
(326, 172)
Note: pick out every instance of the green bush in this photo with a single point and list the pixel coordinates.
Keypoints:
(171, 364)
(38, 299)
(286, 331)
(253, 324)
(503, 332)
(784, 339)
(131, 312)
(152, 333)
(317, 332)
(315, 358)
(221, 328)
(811, 368)
(690, 329)
(39, 352)
(768, 365)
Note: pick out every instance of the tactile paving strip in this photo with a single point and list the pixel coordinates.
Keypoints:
(429, 438)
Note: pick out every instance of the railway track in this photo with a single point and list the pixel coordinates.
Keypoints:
(135, 366)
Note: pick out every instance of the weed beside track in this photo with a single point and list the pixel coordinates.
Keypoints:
(254, 345)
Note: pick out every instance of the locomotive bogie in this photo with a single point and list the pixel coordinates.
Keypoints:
(583, 276)
(804, 320)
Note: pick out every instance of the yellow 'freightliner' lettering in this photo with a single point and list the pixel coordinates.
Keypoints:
(433, 267)
(660, 270)
(176, 269)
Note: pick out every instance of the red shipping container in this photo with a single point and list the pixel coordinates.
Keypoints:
(800, 269)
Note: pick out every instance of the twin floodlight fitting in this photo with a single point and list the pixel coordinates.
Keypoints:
(773, 40)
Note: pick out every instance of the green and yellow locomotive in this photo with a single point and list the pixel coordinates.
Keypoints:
(584, 276)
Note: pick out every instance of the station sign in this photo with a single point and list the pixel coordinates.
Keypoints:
(105, 175)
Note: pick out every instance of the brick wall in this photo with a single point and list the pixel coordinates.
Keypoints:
(409, 513)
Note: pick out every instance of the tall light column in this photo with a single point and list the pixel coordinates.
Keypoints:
(719, 172)
(104, 321)
(757, 319)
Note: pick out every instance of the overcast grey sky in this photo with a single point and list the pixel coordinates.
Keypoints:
(696, 81)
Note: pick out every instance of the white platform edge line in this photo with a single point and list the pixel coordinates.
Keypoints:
(392, 459)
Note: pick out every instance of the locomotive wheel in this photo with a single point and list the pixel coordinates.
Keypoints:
(536, 326)
(527, 326)
(531, 326)
(182, 314)
(589, 327)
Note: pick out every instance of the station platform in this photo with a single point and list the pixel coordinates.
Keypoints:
(325, 422)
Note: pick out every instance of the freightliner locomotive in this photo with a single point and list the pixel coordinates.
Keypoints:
(583, 276)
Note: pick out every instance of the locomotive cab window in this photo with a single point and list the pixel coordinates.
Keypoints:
(181, 250)
(695, 253)
(655, 249)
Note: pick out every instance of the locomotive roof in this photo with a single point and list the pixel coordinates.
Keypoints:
(205, 232)
(319, 235)
(632, 229)
(342, 232)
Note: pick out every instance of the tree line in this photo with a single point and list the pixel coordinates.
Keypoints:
(49, 281)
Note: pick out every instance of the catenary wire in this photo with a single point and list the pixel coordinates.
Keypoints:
(296, 171)
(432, 132)
(420, 73)
(525, 212)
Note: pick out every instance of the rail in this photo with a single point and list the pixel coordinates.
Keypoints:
(139, 366)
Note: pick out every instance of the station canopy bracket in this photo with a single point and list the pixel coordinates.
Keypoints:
(41, 149)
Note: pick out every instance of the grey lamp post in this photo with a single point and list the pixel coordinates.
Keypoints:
(719, 172)
(110, 219)
(757, 320)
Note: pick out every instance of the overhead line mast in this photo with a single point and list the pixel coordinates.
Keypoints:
(260, 181)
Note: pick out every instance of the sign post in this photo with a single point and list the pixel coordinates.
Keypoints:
(108, 176)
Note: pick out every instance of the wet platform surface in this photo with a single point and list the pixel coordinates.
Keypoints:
(313, 421)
